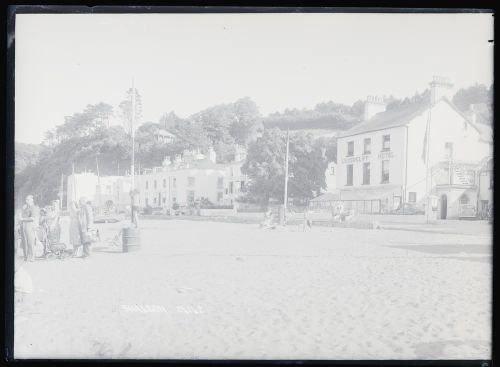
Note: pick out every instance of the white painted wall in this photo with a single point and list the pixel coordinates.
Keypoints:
(446, 126)
(205, 185)
(396, 165)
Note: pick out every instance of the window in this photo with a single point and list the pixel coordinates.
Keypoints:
(386, 142)
(164, 200)
(385, 171)
(220, 182)
(147, 185)
(332, 170)
(154, 201)
(147, 202)
(366, 173)
(448, 150)
(155, 184)
(412, 197)
(349, 175)
(464, 199)
(243, 185)
(108, 189)
(190, 181)
(350, 148)
(230, 187)
(190, 196)
(219, 196)
(367, 146)
(174, 182)
(164, 183)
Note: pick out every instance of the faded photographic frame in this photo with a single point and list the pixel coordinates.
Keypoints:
(252, 185)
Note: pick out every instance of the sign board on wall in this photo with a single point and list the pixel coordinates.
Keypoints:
(360, 158)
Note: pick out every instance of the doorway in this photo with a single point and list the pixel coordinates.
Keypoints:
(444, 206)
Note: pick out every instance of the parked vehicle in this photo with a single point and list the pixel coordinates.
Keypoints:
(181, 210)
(408, 209)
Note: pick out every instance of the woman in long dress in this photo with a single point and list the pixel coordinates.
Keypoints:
(74, 230)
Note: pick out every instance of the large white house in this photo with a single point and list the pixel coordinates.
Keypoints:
(399, 156)
(190, 177)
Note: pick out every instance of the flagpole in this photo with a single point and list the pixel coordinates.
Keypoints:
(427, 158)
(285, 199)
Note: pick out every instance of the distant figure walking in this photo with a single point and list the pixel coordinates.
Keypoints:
(86, 226)
(74, 228)
(29, 223)
(134, 205)
(307, 220)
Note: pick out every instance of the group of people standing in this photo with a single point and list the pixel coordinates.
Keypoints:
(44, 226)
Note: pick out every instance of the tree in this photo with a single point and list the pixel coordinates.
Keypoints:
(100, 114)
(125, 107)
(170, 121)
(475, 94)
(265, 167)
(246, 120)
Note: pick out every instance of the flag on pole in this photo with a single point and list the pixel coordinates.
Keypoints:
(424, 148)
(426, 137)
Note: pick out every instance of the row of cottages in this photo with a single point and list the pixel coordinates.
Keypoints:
(190, 177)
(395, 157)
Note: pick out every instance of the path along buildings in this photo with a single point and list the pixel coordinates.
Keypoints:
(396, 157)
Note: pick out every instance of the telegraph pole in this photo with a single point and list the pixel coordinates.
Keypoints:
(132, 124)
(285, 199)
(98, 182)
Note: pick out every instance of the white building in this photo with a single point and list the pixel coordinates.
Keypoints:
(163, 136)
(104, 191)
(382, 162)
(190, 177)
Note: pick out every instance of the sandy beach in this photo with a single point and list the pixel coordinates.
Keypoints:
(226, 290)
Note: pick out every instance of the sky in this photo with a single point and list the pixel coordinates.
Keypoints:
(188, 62)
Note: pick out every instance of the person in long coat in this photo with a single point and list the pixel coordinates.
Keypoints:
(86, 225)
(29, 223)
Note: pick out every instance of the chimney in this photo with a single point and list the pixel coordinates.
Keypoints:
(440, 87)
(374, 105)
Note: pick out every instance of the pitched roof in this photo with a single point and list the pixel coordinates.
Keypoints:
(399, 116)
(403, 115)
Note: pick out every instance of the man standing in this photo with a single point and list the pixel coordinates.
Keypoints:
(86, 225)
(134, 207)
(29, 223)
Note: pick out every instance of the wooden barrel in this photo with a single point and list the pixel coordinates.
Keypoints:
(131, 239)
